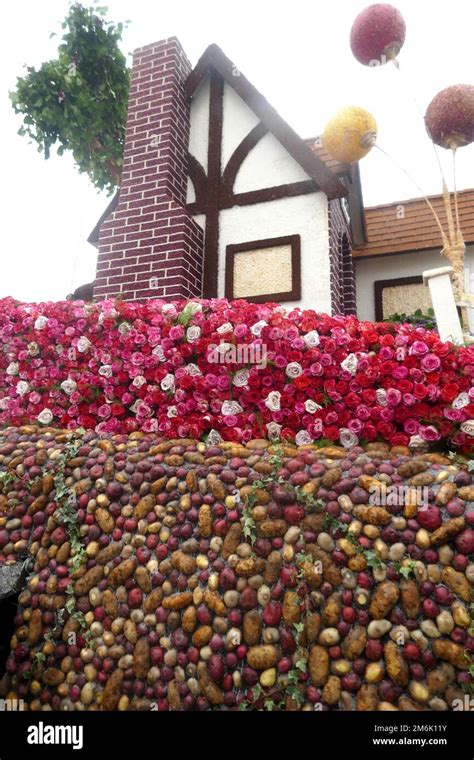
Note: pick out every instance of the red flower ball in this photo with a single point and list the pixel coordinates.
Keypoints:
(377, 34)
(449, 118)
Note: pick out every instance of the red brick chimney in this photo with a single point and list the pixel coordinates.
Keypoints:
(149, 246)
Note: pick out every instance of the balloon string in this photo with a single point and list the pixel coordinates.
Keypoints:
(430, 205)
(456, 206)
(420, 112)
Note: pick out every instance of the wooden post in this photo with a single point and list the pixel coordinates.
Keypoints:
(444, 304)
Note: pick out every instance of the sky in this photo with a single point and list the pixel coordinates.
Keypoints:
(296, 53)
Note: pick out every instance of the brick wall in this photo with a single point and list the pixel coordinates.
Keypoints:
(149, 246)
(342, 277)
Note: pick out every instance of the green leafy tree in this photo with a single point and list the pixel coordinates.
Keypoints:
(78, 101)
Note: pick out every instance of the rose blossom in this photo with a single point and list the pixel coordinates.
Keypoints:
(68, 386)
(241, 378)
(272, 401)
(138, 381)
(431, 362)
(167, 384)
(224, 328)
(311, 406)
(12, 368)
(467, 427)
(347, 438)
(257, 328)
(41, 323)
(428, 433)
(293, 370)
(461, 401)
(105, 370)
(193, 333)
(231, 407)
(273, 429)
(311, 339)
(302, 438)
(349, 364)
(22, 387)
(45, 416)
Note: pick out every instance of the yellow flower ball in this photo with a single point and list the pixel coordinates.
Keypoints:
(350, 134)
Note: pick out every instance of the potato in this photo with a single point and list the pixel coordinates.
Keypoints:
(312, 627)
(408, 469)
(252, 627)
(53, 677)
(408, 705)
(109, 552)
(367, 698)
(144, 506)
(331, 693)
(104, 520)
(142, 577)
(183, 562)
(153, 600)
(332, 609)
(109, 601)
(410, 598)
(291, 608)
(383, 600)
(112, 691)
(354, 643)
(331, 477)
(122, 572)
(439, 678)
(232, 540)
(202, 636)
(331, 572)
(214, 602)
(272, 567)
(262, 656)
(210, 689)
(318, 665)
(141, 658)
(447, 531)
(372, 515)
(250, 566)
(88, 581)
(189, 619)
(457, 582)
(272, 528)
(130, 631)
(397, 667)
(205, 520)
(174, 698)
(178, 601)
(35, 627)
(451, 652)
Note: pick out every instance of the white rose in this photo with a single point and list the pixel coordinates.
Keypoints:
(83, 344)
(158, 351)
(311, 406)
(311, 339)
(193, 307)
(22, 387)
(69, 386)
(12, 368)
(225, 328)
(193, 370)
(348, 438)
(193, 333)
(222, 348)
(231, 407)
(302, 438)
(349, 364)
(59, 349)
(241, 378)
(257, 328)
(467, 427)
(41, 323)
(138, 381)
(273, 429)
(33, 349)
(172, 412)
(105, 370)
(293, 369)
(272, 401)
(214, 438)
(381, 395)
(124, 328)
(45, 417)
(461, 401)
(4, 402)
(168, 310)
(167, 384)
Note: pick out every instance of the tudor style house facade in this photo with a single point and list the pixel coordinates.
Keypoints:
(220, 197)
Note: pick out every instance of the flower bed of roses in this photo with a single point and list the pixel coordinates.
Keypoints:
(175, 369)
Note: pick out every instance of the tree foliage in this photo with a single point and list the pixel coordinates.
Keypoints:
(78, 101)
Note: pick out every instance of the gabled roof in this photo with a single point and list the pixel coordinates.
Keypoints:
(409, 225)
(214, 58)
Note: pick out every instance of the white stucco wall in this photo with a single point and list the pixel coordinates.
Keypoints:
(304, 215)
(199, 129)
(237, 121)
(404, 265)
